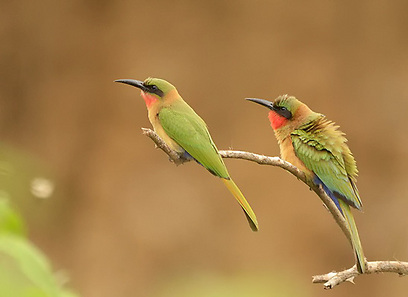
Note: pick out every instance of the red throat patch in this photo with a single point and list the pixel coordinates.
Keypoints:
(149, 99)
(276, 120)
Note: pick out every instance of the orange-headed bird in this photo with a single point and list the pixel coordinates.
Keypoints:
(185, 132)
(317, 147)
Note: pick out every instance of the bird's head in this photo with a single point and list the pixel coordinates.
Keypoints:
(153, 90)
(282, 110)
(286, 113)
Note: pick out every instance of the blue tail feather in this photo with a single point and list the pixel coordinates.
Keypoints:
(329, 193)
(187, 156)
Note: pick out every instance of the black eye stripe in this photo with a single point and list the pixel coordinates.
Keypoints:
(283, 111)
(154, 90)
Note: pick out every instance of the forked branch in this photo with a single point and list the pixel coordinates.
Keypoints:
(330, 279)
(262, 160)
(333, 279)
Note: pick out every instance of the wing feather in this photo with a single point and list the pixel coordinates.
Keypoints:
(189, 131)
(327, 155)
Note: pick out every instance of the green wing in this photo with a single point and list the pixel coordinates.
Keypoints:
(185, 127)
(327, 155)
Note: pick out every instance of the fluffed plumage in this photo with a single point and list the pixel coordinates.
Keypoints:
(317, 147)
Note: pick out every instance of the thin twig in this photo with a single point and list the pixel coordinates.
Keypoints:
(276, 161)
(262, 160)
(175, 157)
(331, 279)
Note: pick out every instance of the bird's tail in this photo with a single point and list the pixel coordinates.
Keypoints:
(249, 213)
(355, 239)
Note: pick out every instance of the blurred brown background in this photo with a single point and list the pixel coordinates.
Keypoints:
(124, 221)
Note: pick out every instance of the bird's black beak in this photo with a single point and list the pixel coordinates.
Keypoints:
(263, 102)
(136, 83)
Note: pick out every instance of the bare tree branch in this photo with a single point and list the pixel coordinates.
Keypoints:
(276, 161)
(262, 160)
(175, 157)
(331, 279)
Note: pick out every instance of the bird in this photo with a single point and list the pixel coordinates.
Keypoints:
(316, 146)
(185, 132)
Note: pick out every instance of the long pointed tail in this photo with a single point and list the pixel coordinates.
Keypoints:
(249, 213)
(355, 239)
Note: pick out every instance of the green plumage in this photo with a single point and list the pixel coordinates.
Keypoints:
(315, 145)
(323, 149)
(184, 131)
(186, 128)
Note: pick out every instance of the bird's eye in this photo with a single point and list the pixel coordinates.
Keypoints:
(283, 111)
(155, 90)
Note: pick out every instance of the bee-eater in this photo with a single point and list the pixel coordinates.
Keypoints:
(316, 146)
(186, 133)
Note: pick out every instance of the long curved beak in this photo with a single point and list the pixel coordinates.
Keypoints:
(263, 102)
(132, 82)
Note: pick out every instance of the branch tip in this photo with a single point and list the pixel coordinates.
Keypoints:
(330, 279)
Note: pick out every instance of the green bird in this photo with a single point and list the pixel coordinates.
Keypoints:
(316, 146)
(186, 133)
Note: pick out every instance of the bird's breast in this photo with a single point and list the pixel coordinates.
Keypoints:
(288, 154)
(158, 128)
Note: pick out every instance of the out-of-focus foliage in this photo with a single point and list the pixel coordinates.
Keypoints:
(24, 270)
(10, 221)
(215, 284)
(122, 219)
